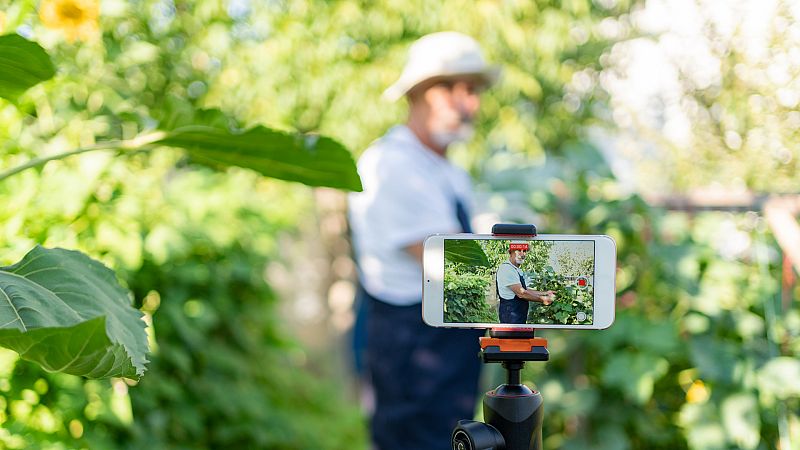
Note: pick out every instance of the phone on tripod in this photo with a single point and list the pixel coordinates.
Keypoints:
(525, 282)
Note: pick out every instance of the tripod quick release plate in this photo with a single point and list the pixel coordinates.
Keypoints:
(504, 349)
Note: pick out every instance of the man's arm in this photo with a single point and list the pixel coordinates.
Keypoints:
(544, 297)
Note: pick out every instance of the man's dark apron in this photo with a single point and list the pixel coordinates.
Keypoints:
(514, 310)
(425, 379)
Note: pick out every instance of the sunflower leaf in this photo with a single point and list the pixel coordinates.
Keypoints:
(23, 64)
(67, 312)
(308, 159)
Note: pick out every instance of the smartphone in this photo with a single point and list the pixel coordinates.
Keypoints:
(546, 281)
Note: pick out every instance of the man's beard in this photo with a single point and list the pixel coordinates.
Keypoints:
(519, 261)
(463, 133)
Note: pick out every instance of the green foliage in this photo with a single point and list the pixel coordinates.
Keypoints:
(68, 313)
(70, 346)
(224, 376)
(224, 371)
(685, 364)
(244, 374)
(569, 299)
(465, 298)
(311, 159)
(22, 64)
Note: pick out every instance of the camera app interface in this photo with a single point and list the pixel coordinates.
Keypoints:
(518, 281)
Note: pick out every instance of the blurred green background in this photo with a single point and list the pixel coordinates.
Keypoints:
(608, 111)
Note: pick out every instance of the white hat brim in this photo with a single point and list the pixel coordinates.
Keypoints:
(401, 87)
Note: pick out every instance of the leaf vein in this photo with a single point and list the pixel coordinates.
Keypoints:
(78, 353)
(48, 290)
(24, 328)
(27, 263)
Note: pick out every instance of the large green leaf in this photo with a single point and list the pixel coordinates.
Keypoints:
(65, 311)
(22, 64)
(308, 159)
(465, 251)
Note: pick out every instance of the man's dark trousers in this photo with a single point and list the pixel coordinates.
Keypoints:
(425, 379)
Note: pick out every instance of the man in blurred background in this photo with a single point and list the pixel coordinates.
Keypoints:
(424, 378)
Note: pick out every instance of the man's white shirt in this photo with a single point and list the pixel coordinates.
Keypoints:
(507, 275)
(409, 194)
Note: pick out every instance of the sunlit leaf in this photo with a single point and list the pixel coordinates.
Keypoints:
(741, 419)
(308, 159)
(781, 377)
(703, 430)
(65, 311)
(466, 252)
(22, 64)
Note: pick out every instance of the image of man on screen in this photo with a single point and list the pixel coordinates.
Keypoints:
(512, 291)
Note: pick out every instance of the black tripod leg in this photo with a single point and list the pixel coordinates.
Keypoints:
(518, 419)
(515, 411)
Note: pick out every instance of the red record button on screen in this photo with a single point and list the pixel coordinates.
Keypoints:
(582, 282)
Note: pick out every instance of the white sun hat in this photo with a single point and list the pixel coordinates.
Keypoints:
(443, 54)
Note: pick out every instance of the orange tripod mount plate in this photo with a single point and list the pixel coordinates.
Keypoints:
(508, 348)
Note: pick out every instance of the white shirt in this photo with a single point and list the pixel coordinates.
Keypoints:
(507, 275)
(409, 193)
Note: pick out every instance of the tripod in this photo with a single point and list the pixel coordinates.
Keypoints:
(513, 412)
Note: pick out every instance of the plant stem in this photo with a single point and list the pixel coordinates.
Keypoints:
(127, 144)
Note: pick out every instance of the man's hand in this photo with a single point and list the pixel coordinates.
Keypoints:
(416, 250)
(546, 297)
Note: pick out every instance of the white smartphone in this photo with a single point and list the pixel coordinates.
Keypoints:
(546, 281)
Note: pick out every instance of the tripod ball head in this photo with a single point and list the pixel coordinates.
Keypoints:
(472, 435)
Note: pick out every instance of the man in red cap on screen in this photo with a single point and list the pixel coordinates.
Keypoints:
(515, 297)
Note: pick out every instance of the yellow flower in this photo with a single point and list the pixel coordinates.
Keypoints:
(697, 393)
(76, 18)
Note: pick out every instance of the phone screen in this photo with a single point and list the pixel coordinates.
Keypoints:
(511, 281)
